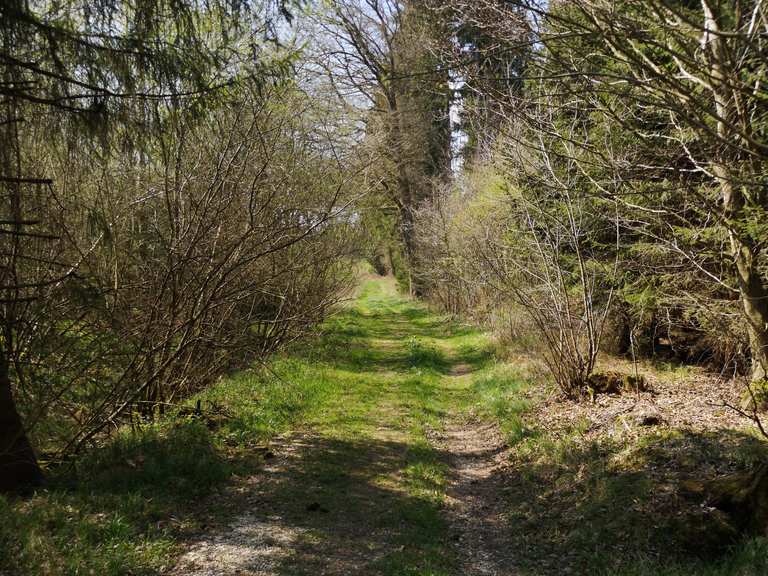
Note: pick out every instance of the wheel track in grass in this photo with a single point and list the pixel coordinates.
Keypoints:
(478, 459)
(390, 479)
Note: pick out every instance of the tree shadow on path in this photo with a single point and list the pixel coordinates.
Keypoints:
(333, 506)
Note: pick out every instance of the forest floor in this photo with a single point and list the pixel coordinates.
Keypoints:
(396, 444)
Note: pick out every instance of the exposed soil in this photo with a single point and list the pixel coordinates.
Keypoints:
(258, 539)
(599, 474)
(261, 536)
(478, 457)
(460, 369)
(278, 523)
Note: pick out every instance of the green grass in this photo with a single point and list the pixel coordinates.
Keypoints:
(112, 513)
(122, 508)
(497, 395)
(748, 559)
(361, 401)
(369, 463)
(366, 393)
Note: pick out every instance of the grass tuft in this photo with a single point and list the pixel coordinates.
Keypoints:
(176, 461)
(497, 394)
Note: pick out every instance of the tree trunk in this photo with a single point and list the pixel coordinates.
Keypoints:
(18, 465)
(737, 195)
(754, 299)
(753, 292)
(407, 233)
(406, 209)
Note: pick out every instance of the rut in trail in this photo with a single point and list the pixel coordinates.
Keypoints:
(387, 478)
(478, 459)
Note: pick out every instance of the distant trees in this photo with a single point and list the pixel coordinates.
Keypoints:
(171, 206)
(387, 52)
(650, 117)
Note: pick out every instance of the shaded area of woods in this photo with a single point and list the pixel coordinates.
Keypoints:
(172, 207)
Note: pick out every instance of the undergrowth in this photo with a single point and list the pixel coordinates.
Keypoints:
(604, 506)
(379, 379)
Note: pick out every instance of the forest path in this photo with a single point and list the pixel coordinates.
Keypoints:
(390, 476)
(478, 456)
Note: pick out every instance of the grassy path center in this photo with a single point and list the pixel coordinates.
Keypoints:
(359, 488)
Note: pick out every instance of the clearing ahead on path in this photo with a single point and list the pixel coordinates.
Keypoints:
(386, 475)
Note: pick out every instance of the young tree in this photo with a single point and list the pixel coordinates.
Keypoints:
(110, 70)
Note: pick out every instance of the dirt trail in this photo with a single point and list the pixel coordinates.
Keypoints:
(478, 457)
(361, 491)
(258, 539)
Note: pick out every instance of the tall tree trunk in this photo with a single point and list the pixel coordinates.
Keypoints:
(754, 300)
(408, 233)
(406, 197)
(731, 111)
(753, 292)
(18, 465)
